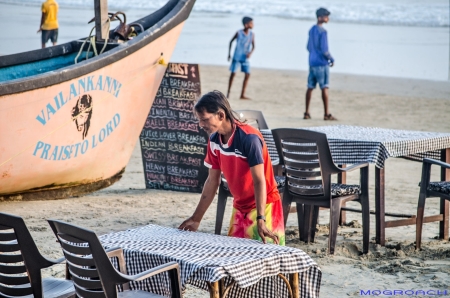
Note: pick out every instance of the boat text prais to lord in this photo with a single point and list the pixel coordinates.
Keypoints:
(69, 128)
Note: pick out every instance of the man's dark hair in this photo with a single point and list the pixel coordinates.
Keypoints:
(212, 101)
(322, 12)
(246, 20)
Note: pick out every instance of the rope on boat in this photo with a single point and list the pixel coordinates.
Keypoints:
(91, 39)
(160, 61)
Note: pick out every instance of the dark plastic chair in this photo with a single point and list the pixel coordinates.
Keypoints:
(255, 119)
(20, 273)
(92, 272)
(308, 167)
(427, 190)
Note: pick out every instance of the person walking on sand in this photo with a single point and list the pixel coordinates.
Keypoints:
(239, 151)
(245, 45)
(49, 22)
(320, 61)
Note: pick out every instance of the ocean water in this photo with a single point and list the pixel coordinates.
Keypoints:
(428, 13)
(363, 49)
(405, 38)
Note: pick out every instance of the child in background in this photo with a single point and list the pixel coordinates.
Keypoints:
(245, 45)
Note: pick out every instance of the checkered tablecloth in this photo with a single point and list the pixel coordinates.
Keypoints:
(208, 258)
(355, 144)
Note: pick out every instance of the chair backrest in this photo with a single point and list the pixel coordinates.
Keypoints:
(307, 160)
(253, 118)
(20, 273)
(256, 119)
(91, 270)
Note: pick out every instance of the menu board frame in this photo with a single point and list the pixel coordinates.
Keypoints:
(173, 146)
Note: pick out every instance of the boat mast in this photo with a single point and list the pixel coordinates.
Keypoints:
(101, 19)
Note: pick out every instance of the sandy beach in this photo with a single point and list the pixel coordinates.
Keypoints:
(387, 75)
(355, 100)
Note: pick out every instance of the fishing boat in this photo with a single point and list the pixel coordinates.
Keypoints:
(70, 115)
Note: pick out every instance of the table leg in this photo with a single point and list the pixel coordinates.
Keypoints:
(225, 291)
(342, 179)
(379, 206)
(217, 289)
(214, 289)
(293, 280)
(444, 206)
(221, 286)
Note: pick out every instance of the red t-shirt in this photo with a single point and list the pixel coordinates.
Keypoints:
(245, 148)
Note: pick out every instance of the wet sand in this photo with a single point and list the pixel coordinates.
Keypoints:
(354, 100)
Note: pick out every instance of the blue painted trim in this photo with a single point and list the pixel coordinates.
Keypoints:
(37, 67)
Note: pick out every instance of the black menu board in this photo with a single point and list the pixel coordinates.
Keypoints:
(173, 146)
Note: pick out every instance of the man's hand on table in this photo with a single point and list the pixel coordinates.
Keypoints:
(189, 225)
(264, 232)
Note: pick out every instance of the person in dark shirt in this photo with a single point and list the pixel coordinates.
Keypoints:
(320, 61)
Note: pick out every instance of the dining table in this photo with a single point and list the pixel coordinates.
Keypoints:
(224, 266)
(357, 144)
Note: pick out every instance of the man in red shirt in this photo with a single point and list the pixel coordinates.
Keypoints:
(239, 151)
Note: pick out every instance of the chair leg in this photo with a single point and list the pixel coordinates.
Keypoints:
(174, 276)
(335, 212)
(308, 223)
(426, 173)
(301, 221)
(365, 208)
(315, 219)
(286, 200)
(419, 219)
(221, 204)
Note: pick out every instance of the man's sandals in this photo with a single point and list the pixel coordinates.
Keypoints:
(329, 117)
(325, 117)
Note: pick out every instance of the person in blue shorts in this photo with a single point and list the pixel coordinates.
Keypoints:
(245, 45)
(320, 61)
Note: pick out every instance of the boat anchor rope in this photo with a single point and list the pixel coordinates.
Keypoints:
(121, 33)
(91, 39)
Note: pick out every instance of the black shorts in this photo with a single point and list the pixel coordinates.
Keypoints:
(50, 34)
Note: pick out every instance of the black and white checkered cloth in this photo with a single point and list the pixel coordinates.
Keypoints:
(209, 258)
(355, 144)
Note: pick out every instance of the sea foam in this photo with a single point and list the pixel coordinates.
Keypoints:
(424, 13)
